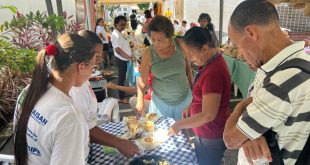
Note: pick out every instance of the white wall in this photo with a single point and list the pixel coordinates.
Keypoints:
(193, 8)
(25, 6)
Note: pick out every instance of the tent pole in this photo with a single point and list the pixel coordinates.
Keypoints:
(221, 21)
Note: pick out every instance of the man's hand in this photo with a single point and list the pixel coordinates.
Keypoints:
(111, 85)
(128, 149)
(256, 149)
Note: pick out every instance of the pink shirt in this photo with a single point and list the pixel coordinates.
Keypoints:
(214, 79)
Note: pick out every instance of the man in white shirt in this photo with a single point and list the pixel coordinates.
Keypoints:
(122, 52)
(280, 99)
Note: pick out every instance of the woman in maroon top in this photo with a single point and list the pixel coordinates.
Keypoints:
(209, 109)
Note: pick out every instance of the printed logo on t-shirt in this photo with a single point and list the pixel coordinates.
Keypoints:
(34, 151)
(38, 117)
(32, 135)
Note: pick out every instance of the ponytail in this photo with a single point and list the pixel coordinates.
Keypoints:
(210, 27)
(38, 86)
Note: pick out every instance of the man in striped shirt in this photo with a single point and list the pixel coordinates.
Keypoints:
(281, 101)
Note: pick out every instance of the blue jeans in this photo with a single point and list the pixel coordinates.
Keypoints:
(209, 151)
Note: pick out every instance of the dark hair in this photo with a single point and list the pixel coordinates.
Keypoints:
(175, 21)
(184, 22)
(119, 18)
(206, 16)
(147, 14)
(90, 36)
(198, 36)
(249, 12)
(161, 24)
(97, 23)
(71, 48)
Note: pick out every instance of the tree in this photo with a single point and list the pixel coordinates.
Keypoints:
(112, 8)
(144, 6)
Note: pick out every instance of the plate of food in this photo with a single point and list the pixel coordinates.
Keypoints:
(108, 73)
(161, 135)
(152, 116)
(150, 160)
(149, 126)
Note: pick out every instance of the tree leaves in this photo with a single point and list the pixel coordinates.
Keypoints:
(13, 9)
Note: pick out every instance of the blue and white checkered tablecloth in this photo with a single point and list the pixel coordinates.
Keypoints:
(177, 149)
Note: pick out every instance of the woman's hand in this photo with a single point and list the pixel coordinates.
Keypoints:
(186, 113)
(140, 109)
(174, 129)
(111, 85)
(128, 149)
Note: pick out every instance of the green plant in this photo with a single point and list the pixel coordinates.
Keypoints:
(32, 31)
(16, 64)
(11, 84)
(144, 6)
(20, 60)
(13, 9)
(111, 9)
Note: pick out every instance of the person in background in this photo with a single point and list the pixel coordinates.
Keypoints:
(172, 76)
(184, 27)
(281, 94)
(204, 21)
(176, 25)
(133, 20)
(168, 14)
(133, 90)
(102, 33)
(122, 52)
(48, 127)
(86, 101)
(148, 19)
(209, 109)
(152, 12)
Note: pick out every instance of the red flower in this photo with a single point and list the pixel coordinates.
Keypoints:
(51, 50)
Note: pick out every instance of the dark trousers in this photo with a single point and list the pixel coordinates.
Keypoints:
(209, 151)
(122, 69)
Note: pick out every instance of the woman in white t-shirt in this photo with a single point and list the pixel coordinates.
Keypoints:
(86, 101)
(48, 127)
(102, 33)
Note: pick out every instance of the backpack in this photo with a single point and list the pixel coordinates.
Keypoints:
(282, 93)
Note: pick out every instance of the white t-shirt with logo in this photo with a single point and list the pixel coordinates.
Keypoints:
(100, 29)
(85, 99)
(118, 40)
(57, 132)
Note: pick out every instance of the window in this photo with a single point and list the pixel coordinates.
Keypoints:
(125, 9)
(119, 9)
